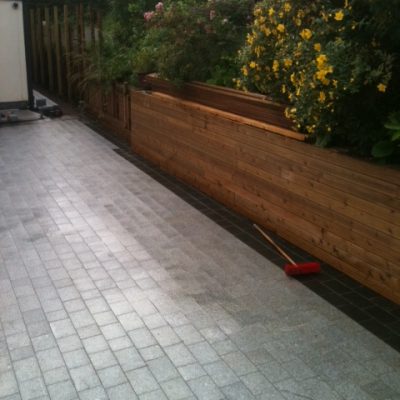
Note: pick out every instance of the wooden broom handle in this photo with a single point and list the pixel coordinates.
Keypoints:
(284, 254)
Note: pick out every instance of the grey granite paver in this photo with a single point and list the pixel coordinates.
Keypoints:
(121, 392)
(103, 359)
(205, 389)
(84, 377)
(176, 389)
(163, 369)
(142, 380)
(111, 286)
(112, 376)
(221, 374)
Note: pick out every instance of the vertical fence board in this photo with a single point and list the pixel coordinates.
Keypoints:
(34, 45)
(67, 51)
(48, 48)
(99, 23)
(58, 51)
(39, 36)
(92, 28)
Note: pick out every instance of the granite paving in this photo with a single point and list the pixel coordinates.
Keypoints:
(114, 287)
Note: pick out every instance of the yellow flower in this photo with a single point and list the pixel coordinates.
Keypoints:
(297, 21)
(287, 62)
(287, 7)
(252, 64)
(306, 34)
(321, 60)
(339, 16)
(323, 71)
(382, 87)
(283, 89)
(310, 128)
(322, 97)
(293, 78)
(317, 47)
(245, 71)
(250, 39)
(267, 32)
(275, 66)
(257, 11)
(271, 12)
(281, 28)
(258, 50)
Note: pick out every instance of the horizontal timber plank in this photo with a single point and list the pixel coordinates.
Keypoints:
(250, 105)
(243, 120)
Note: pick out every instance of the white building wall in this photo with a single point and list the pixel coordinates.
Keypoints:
(13, 75)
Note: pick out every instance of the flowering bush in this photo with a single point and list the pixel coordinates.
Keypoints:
(330, 63)
(193, 40)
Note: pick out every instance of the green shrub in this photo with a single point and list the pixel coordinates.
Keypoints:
(335, 63)
(193, 40)
(388, 149)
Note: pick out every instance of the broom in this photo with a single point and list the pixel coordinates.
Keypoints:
(293, 268)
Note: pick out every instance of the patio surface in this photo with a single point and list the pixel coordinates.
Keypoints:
(113, 287)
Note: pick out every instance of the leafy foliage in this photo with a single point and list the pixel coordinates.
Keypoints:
(193, 40)
(389, 149)
(327, 60)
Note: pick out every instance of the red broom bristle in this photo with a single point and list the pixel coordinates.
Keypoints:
(302, 268)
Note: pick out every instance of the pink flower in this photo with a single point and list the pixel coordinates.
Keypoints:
(160, 7)
(212, 15)
(148, 15)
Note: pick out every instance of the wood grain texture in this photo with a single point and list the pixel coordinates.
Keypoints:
(112, 108)
(342, 210)
(250, 105)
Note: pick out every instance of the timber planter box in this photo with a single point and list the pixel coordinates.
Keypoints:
(250, 105)
(342, 210)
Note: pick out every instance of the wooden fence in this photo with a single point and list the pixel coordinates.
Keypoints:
(60, 38)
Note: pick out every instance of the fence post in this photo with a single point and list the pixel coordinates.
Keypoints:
(48, 48)
(39, 37)
(67, 49)
(58, 51)
(92, 28)
(34, 45)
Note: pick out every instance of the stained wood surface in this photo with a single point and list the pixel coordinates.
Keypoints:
(112, 108)
(342, 210)
(250, 105)
(59, 45)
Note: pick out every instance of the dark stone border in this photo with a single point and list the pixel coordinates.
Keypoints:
(371, 310)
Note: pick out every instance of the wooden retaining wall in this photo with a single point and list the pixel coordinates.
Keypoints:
(112, 108)
(342, 210)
